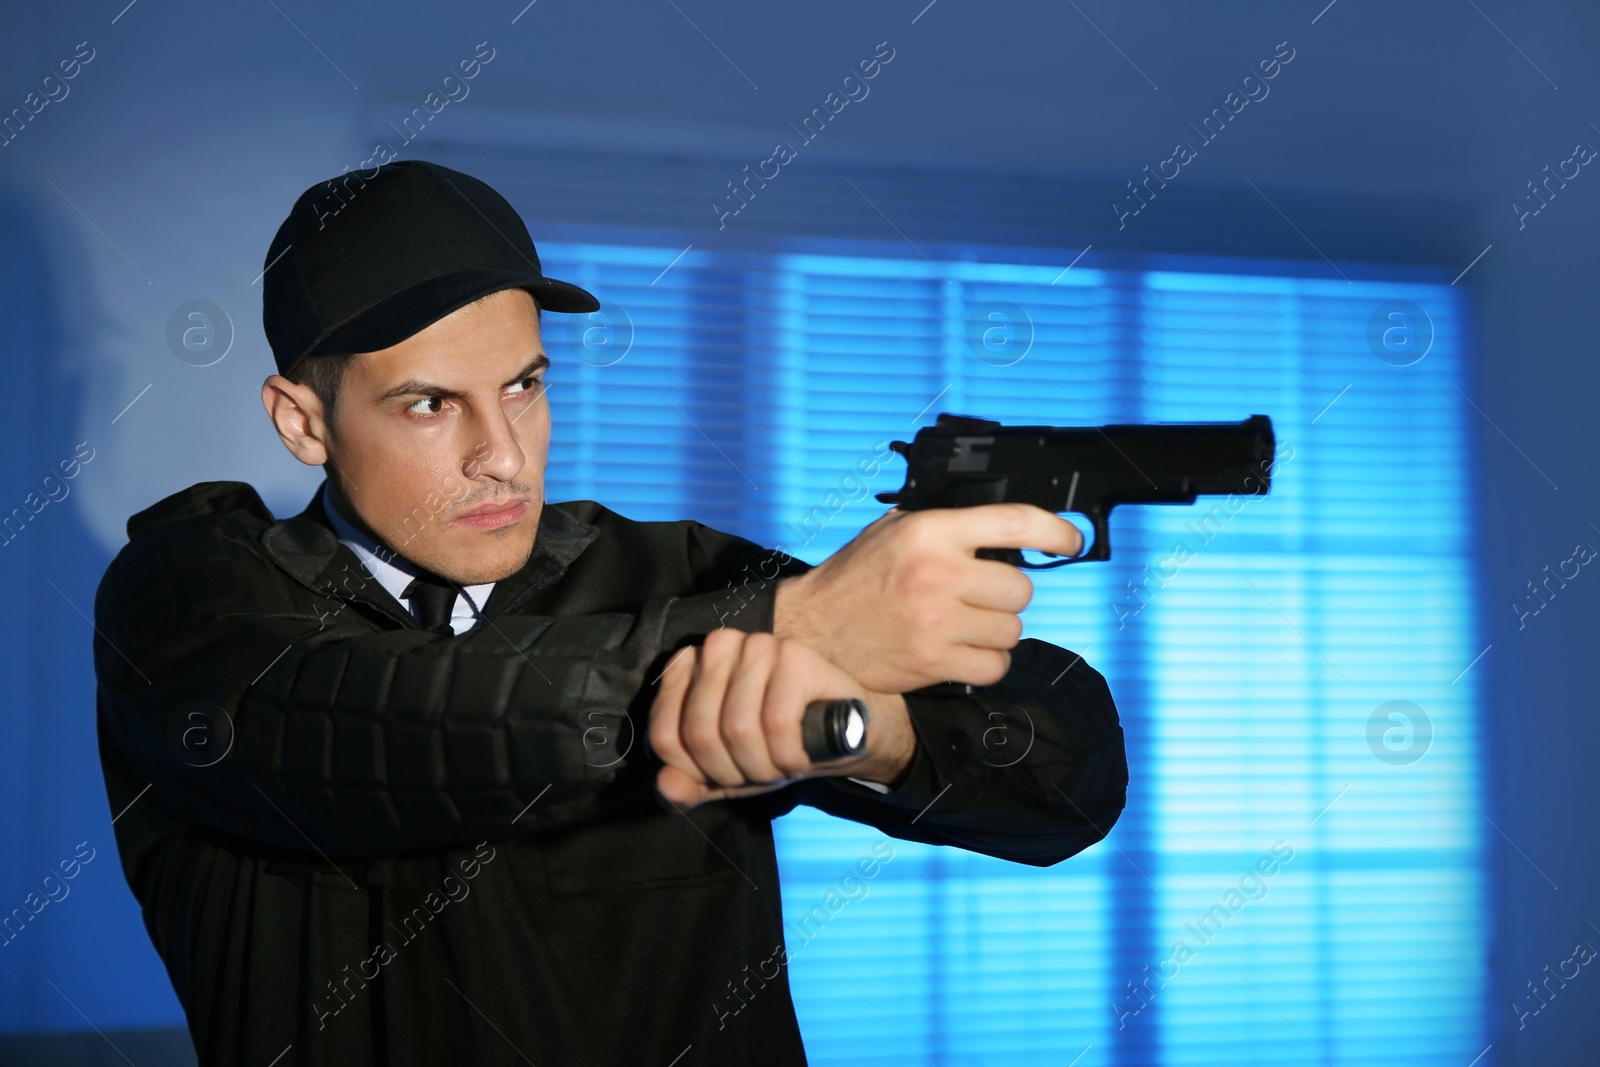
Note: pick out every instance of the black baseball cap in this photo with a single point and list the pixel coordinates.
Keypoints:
(366, 259)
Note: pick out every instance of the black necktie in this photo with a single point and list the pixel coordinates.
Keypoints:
(433, 600)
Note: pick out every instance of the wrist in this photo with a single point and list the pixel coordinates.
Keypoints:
(788, 614)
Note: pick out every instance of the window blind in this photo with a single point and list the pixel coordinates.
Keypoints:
(1296, 686)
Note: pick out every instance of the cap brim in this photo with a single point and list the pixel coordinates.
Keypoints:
(412, 310)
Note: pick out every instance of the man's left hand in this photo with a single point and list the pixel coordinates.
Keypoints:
(727, 719)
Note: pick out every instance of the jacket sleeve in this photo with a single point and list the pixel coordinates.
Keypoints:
(325, 734)
(1030, 769)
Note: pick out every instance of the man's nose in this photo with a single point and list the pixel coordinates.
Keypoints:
(496, 451)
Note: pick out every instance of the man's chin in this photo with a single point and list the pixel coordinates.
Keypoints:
(499, 555)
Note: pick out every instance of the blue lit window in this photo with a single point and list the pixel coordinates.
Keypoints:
(1300, 684)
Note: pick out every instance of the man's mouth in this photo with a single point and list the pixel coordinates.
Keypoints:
(491, 516)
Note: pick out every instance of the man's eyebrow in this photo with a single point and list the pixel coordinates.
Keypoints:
(419, 387)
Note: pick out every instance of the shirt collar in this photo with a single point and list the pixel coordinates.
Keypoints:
(394, 571)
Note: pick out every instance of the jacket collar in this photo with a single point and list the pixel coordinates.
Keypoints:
(308, 548)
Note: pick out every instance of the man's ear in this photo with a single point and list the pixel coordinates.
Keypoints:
(296, 413)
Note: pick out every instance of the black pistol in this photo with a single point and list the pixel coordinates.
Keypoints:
(963, 461)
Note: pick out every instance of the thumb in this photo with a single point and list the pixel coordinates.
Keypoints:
(679, 788)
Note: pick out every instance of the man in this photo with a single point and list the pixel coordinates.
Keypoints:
(439, 771)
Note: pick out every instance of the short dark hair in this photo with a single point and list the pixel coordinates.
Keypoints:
(323, 372)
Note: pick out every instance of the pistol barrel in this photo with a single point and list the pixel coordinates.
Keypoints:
(965, 462)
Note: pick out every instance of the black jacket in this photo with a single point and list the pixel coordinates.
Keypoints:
(364, 842)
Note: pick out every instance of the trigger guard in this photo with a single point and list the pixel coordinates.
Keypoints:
(1014, 557)
(1025, 565)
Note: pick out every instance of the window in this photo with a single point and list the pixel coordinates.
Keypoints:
(1297, 685)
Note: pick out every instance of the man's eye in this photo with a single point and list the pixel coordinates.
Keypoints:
(530, 384)
(412, 407)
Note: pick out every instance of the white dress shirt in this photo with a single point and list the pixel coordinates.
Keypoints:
(394, 572)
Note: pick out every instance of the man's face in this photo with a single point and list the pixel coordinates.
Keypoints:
(450, 421)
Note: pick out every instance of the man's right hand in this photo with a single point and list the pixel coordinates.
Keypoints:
(907, 603)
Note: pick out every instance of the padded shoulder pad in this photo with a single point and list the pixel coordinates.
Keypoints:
(199, 499)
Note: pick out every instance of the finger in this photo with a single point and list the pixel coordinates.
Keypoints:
(1016, 525)
(667, 708)
(935, 562)
(684, 791)
(992, 584)
(799, 676)
(743, 730)
(977, 666)
(985, 629)
(955, 626)
(680, 788)
(700, 729)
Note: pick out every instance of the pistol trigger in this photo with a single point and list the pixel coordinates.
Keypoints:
(1012, 556)
(1101, 549)
(1100, 518)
